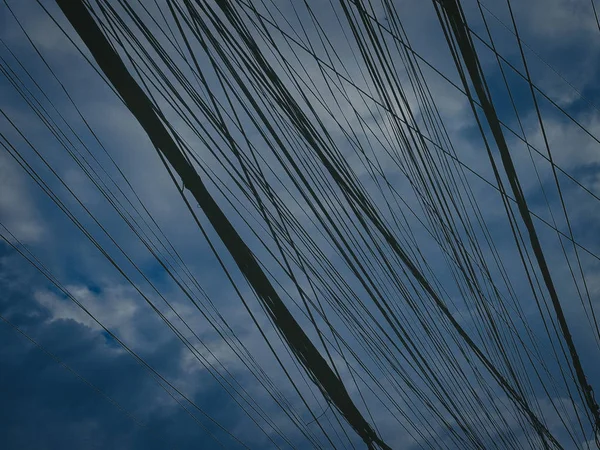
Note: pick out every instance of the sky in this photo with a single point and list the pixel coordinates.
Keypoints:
(66, 380)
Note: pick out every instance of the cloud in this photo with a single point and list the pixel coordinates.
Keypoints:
(17, 211)
(40, 27)
(114, 306)
(559, 20)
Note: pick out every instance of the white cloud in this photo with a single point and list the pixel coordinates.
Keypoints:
(116, 306)
(17, 210)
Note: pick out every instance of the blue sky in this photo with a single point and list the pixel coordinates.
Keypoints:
(47, 406)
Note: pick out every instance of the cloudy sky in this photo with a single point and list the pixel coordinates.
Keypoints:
(126, 323)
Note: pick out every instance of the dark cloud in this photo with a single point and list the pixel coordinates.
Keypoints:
(44, 406)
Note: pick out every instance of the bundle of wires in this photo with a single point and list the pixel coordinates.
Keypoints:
(321, 173)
